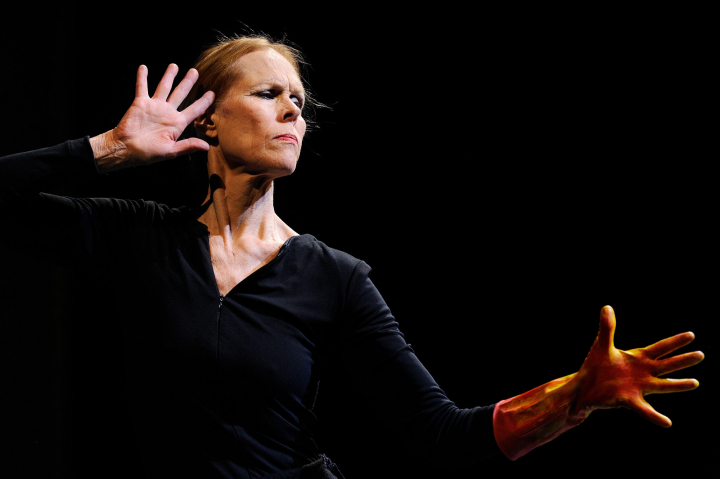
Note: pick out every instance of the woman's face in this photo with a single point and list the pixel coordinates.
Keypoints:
(258, 124)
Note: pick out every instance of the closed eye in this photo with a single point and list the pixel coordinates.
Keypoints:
(267, 94)
(297, 100)
(271, 94)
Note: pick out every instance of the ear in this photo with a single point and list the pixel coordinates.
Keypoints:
(205, 126)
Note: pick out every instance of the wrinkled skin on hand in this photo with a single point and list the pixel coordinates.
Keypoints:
(611, 377)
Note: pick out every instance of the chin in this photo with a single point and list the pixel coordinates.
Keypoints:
(283, 167)
(273, 167)
(288, 170)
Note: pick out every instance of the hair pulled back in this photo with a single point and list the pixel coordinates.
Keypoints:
(218, 66)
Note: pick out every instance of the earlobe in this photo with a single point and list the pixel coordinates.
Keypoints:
(205, 126)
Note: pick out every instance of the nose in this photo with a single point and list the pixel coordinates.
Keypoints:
(290, 111)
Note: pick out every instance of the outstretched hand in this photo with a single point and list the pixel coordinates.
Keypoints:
(149, 130)
(611, 377)
(608, 378)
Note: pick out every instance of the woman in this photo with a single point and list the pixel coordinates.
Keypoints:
(231, 317)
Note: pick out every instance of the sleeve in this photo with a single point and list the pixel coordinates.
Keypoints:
(390, 376)
(58, 228)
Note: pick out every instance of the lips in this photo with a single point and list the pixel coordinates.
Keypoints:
(287, 137)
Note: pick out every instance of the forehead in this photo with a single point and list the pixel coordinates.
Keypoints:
(267, 66)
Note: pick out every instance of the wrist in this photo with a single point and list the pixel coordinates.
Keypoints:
(109, 152)
(580, 408)
(529, 420)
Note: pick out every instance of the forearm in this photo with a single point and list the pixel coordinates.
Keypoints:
(529, 420)
(24, 175)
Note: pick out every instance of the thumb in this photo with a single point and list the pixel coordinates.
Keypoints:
(189, 145)
(606, 335)
(641, 406)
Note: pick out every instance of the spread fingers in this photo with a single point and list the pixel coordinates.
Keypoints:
(166, 82)
(682, 361)
(667, 346)
(181, 91)
(664, 386)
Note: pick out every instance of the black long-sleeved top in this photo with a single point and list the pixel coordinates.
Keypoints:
(225, 386)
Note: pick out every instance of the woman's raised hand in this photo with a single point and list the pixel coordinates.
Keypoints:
(611, 377)
(149, 130)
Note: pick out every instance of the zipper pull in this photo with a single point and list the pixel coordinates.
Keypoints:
(221, 301)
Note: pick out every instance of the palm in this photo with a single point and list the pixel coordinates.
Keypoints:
(152, 125)
(611, 377)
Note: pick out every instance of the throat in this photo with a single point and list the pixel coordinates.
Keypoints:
(241, 204)
(245, 234)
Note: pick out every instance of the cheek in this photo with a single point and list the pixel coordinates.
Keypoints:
(301, 126)
(243, 118)
(247, 131)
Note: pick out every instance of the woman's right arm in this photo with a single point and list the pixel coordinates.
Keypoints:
(147, 133)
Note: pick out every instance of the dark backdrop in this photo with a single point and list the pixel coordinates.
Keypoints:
(506, 173)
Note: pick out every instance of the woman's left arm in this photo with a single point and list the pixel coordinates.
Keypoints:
(609, 378)
(385, 370)
(391, 377)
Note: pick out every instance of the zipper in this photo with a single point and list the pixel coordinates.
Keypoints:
(217, 339)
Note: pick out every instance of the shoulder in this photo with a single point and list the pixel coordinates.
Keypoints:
(314, 253)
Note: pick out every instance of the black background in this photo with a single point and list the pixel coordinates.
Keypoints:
(506, 173)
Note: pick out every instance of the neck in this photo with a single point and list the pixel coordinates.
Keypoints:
(242, 205)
